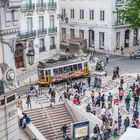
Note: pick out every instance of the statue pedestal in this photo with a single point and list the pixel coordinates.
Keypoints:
(9, 118)
(99, 73)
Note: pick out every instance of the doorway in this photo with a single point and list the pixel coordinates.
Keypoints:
(91, 38)
(19, 56)
(127, 37)
(117, 40)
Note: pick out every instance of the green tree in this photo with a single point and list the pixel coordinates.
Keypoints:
(131, 14)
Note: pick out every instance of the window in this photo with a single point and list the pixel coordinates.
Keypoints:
(101, 40)
(52, 43)
(72, 33)
(63, 33)
(29, 24)
(81, 14)
(91, 14)
(29, 2)
(81, 33)
(102, 15)
(41, 45)
(72, 13)
(51, 21)
(63, 13)
(41, 22)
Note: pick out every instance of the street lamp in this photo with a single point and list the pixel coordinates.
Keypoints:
(30, 55)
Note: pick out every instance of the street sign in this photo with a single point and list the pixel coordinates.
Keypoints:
(116, 101)
(1, 88)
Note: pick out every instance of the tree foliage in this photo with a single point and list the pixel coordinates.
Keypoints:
(131, 14)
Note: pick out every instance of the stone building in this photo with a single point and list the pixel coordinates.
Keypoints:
(96, 21)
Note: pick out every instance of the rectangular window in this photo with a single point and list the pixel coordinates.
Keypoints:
(101, 40)
(102, 15)
(91, 14)
(63, 33)
(72, 14)
(51, 21)
(41, 22)
(29, 24)
(81, 33)
(63, 13)
(42, 45)
(52, 43)
(72, 33)
(29, 2)
(81, 13)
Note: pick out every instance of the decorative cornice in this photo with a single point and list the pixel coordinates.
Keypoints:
(7, 32)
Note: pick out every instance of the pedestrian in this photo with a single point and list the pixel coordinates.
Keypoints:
(138, 78)
(29, 102)
(119, 121)
(64, 130)
(98, 100)
(89, 80)
(127, 102)
(107, 58)
(110, 99)
(121, 50)
(92, 97)
(121, 82)
(126, 123)
(117, 71)
(103, 100)
(61, 95)
(121, 94)
(135, 114)
(114, 73)
(67, 49)
(96, 131)
(136, 102)
(115, 129)
(19, 103)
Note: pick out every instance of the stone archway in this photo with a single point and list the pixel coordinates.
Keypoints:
(19, 55)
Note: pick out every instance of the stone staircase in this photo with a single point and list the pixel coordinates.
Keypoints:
(49, 121)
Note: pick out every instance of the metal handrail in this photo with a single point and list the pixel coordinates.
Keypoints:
(51, 123)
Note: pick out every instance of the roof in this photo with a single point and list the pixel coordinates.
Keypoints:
(61, 63)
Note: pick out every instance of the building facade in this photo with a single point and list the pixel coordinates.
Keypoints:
(38, 37)
(96, 21)
(9, 26)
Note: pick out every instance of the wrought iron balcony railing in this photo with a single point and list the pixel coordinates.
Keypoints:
(28, 8)
(41, 6)
(42, 31)
(52, 5)
(26, 35)
(53, 46)
(120, 23)
(52, 30)
(119, 2)
(42, 49)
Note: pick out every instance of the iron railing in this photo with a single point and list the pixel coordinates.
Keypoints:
(119, 2)
(42, 31)
(52, 30)
(28, 7)
(52, 5)
(41, 6)
(24, 35)
(42, 49)
(53, 46)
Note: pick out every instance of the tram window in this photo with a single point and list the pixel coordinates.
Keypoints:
(55, 71)
(75, 67)
(79, 66)
(47, 72)
(85, 64)
(65, 69)
(60, 70)
(70, 68)
(40, 73)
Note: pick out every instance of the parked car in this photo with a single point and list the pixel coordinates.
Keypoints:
(135, 54)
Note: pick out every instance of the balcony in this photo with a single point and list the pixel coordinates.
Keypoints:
(53, 46)
(42, 49)
(28, 8)
(52, 5)
(127, 2)
(14, 4)
(26, 35)
(41, 6)
(42, 32)
(119, 2)
(121, 24)
(52, 30)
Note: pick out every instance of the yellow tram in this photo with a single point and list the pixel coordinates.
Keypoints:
(62, 70)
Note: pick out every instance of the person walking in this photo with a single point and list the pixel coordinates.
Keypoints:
(61, 95)
(89, 80)
(117, 71)
(29, 102)
(19, 103)
(107, 58)
(121, 50)
(110, 99)
(103, 100)
(64, 130)
(126, 123)
(136, 102)
(121, 94)
(127, 102)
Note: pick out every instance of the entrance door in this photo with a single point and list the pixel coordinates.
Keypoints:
(127, 36)
(19, 56)
(117, 40)
(91, 38)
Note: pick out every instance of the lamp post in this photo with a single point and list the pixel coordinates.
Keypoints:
(30, 55)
